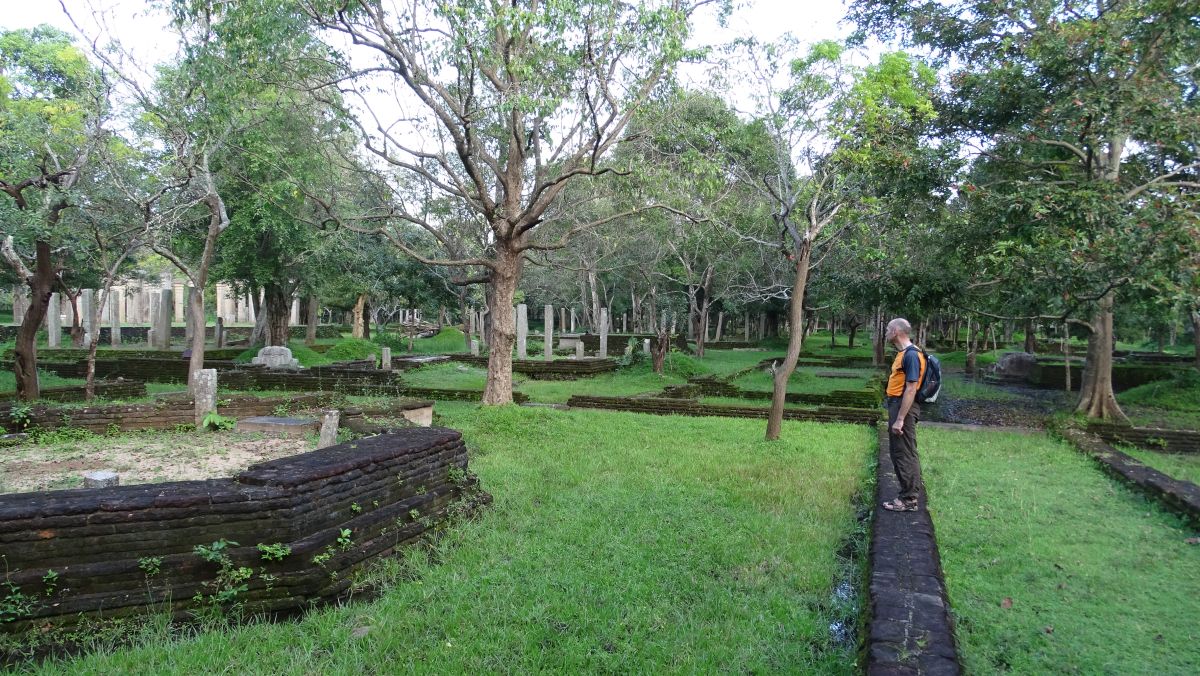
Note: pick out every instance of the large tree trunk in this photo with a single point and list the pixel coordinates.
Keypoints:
(278, 308)
(76, 321)
(359, 319)
(505, 276)
(314, 316)
(196, 308)
(1030, 338)
(41, 285)
(795, 342)
(1096, 396)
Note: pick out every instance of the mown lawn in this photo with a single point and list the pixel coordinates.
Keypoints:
(806, 380)
(1100, 580)
(617, 543)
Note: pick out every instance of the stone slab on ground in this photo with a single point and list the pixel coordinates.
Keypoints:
(1182, 497)
(909, 630)
(279, 426)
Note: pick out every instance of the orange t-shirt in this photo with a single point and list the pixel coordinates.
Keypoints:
(908, 362)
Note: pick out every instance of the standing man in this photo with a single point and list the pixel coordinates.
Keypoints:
(903, 413)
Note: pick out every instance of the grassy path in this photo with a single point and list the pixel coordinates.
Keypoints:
(617, 543)
(1099, 580)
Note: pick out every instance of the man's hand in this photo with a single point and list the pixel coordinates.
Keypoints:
(898, 426)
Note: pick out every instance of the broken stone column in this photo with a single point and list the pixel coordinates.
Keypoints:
(579, 350)
(54, 321)
(385, 358)
(549, 331)
(624, 322)
(294, 318)
(474, 348)
(747, 327)
(87, 308)
(18, 304)
(276, 357)
(329, 428)
(522, 331)
(162, 321)
(180, 298)
(603, 333)
(101, 478)
(219, 332)
(114, 321)
(222, 301)
(187, 313)
(646, 346)
(572, 320)
(205, 387)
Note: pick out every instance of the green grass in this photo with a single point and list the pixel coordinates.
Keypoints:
(304, 354)
(8, 382)
(957, 386)
(1030, 519)
(723, 362)
(960, 358)
(1180, 393)
(806, 380)
(623, 383)
(447, 375)
(611, 547)
(1185, 467)
(447, 341)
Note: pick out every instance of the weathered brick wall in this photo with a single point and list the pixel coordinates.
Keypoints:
(692, 408)
(559, 369)
(131, 549)
(1124, 376)
(160, 415)
(109, 389)
(1171, 441)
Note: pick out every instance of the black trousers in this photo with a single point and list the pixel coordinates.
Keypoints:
(903, 449)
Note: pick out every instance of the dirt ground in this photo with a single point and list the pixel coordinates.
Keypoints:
(140, 457)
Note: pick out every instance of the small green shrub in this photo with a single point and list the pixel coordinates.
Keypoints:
(218, 422)
(352, 349)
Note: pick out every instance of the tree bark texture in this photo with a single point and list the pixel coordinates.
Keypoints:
(505, 275)
(278, 308)
(41, 286)
(356, 326)
(795, 342)
(1096, 396)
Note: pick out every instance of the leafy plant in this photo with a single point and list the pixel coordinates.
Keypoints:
(275, 552)
(216, 421)
(14, 604)
(231, 579)
(344, 539)
(150, 565)
(50, 579)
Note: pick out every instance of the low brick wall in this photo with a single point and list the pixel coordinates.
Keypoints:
(109, 389)
(131, 549)
(558, 369)
(166, 413)
(1179, 496)
(1155, 439)
(711, 386)
(692, 408)
(146, 370)
(74, 354)
(909, 630)
(1125, 376)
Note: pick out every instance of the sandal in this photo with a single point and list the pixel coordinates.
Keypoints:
(899, 505)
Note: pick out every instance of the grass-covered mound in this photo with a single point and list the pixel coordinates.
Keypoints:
(352, 349)
(446, 341)
(304, 354)
(618, 543)
(1174, 402)
(1098, 577)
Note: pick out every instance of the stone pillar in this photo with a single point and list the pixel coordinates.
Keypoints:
(294, 319)
(118, 301)
(562, 319)
(219, 332)
(54, 321)
(251, 315)
(579, 349)
(206, 393)
(187, 312)
(180, 301)
(162, 323)
(549, 337)
(222, 301)
(522, 331)
(624, 322)
(474, 348)
(132, 297)
(385, 358)
(19, 303)
(329, 428)
(114, 318)
(572, 320)
(646, 346)
(101, 478)
(603, 333)
(87, 308)
(747, 327)
(472, 316)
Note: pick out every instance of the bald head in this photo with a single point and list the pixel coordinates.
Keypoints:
(897, 328)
